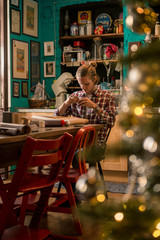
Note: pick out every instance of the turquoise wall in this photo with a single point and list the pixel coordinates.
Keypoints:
(23, 101)
(49, 18)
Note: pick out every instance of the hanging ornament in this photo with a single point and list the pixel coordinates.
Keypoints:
(141, 19)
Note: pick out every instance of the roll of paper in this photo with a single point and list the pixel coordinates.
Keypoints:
(14, 129)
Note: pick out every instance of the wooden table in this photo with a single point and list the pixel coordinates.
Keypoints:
(11, 146)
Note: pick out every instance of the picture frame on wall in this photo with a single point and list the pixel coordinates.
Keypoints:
(20, 63)
(49, 69)
(35, 62)
(14, 3)
(49, 48)
(24, 89)
(30, 18)
(15, 21)
(16, 89)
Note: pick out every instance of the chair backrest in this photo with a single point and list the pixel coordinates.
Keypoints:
(56, 153)
(83, 140)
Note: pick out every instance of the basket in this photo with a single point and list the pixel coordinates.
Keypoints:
(36, 103)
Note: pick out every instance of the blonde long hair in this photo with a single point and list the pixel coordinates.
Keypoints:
(88, 69)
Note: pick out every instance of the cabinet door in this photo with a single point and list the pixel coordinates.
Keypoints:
(115, 163)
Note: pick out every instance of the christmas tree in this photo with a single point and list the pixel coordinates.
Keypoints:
(134, 218)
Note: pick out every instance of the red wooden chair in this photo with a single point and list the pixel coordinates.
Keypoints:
(33, 154)
(68, 176)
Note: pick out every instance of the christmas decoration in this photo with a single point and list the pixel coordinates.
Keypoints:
(141, 19)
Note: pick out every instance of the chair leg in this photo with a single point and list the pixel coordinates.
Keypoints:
(59, 187)
(41, 206)
(100, 170)
(73, 206)
(23, 209)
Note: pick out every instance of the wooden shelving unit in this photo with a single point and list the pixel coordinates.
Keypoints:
(85, 37)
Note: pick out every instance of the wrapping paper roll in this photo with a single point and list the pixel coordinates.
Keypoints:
(14, 129)
(68, 120)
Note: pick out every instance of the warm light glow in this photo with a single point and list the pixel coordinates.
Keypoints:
(156, 233)
(156, 187)
(158, 226)
(141, 170)
(101, 197)
(149, 80)
(140, 10)
(92, 175)
(142, 181)
(150, 144)
(158, 83)
(119, 216)
(132, 158)
(142, 87)
(143, 26)
(81, 185)
(134, 76)
(146, 11)
(130, 133)
(129, 20)
(154, 161)
(138, 111)
(142, 208)
(147, 30)
(154, 15)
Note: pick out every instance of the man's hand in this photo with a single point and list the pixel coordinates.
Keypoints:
(86, 102)
(72, 99)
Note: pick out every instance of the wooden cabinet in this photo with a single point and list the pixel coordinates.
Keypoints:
(115, 168)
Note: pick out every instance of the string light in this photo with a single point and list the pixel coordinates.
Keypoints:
(150, 144)
(130, 133)
(158, 226)
(138, 111)
(156, 233)
(119, 216)
(142, 208)
(101, 197)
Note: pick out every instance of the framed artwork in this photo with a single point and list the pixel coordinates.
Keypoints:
(48, 48)
(49, 69)
(16, 90)
(15, 21)
(30, 18)
(35, 62)
(20, 59)
(14, 3)
(24, 89)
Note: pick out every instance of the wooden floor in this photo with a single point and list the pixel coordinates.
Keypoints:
(62, 224)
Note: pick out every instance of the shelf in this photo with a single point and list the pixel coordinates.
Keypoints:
(108, 35)
(75, 64)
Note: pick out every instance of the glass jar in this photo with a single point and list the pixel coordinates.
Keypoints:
(89, 28)
(96, 55)
(74, 29)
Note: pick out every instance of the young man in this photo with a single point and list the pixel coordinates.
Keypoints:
(93, 103)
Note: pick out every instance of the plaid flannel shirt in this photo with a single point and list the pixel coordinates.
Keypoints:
(105, 101)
